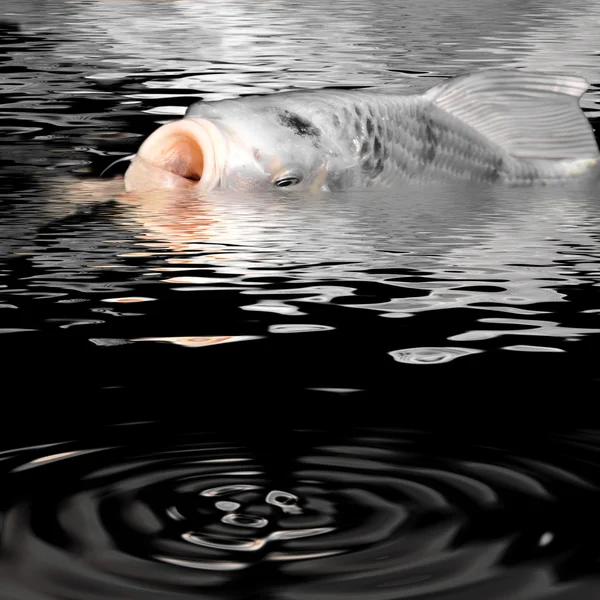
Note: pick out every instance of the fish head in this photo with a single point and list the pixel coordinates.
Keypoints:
(234, 147)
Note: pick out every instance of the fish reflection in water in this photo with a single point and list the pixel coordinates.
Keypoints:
(326, 248)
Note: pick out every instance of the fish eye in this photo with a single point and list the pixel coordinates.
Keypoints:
(287, 181)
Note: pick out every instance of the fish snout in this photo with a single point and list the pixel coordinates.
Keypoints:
(183, 154)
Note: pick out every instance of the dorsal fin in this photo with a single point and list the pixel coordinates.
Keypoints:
(530, 115)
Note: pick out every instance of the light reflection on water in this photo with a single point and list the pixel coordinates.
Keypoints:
(510, 256)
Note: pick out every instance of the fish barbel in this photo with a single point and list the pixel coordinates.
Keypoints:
(494, 125)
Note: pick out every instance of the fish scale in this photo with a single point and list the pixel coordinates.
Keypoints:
(407, 150)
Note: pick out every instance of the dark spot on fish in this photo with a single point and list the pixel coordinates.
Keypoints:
(367, 166)
(358, 128)
(299, 125)
(431, 142)
(336, 121)
(370, 128)
(380, 130)
(347, 114)
(378, 168)
(358, 111)
(377, 147)
(429, 133)
(364, 149)
(496, 170)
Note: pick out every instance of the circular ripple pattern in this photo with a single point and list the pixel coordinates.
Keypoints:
(372, 514)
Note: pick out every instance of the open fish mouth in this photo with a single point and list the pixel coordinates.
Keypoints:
(183, 154)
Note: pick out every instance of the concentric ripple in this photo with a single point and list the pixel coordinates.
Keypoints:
(372, 514)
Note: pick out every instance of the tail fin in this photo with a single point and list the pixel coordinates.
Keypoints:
(530, 115)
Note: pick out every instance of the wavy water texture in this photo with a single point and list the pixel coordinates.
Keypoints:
(506, 271)
(370, 514)
(216, 304)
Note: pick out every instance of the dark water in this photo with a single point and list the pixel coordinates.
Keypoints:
(363, 514)
(261, 335)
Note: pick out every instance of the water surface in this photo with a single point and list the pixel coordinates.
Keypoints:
(232, 322)
(368, 513)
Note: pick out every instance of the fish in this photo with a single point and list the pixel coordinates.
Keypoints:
(489, 126)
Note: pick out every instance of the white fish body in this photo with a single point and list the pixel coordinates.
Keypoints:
(489, 126)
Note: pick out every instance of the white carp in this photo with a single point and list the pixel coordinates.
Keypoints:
(494, 125)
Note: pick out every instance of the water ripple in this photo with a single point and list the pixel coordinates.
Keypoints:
(431, 356)
(147, 520)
